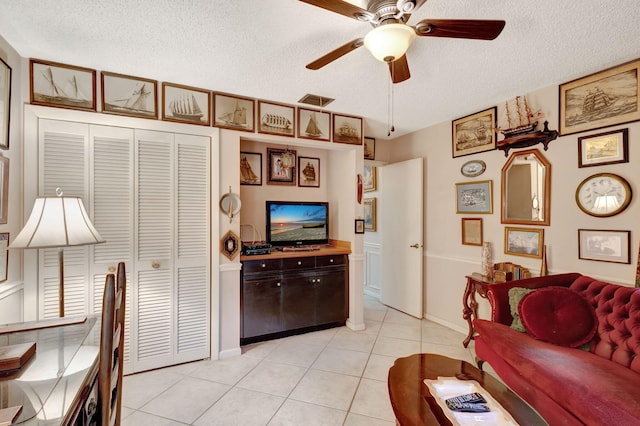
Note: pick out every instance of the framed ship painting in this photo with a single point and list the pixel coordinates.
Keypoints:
(347, 129)
(250, 168)
(603, 99)
(234, 112)
(369, 148)
(370, 222)
(309, 172)
(126, 95)
(184, 104)
(276, 119)
(314, 124)
(60, 85)
(5, 103)
(474, 133)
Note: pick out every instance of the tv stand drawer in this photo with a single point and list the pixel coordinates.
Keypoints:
(262, 265)
(295, 263)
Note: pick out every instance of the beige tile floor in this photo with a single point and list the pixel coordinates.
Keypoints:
(330, 377)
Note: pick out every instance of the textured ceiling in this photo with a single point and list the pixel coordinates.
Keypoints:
(259, 48)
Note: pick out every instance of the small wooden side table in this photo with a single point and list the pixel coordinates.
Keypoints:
(476, 283)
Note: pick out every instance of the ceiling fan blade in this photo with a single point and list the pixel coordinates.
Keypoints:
(419, 3)
(343, 8)
(335, 54)
(399, 70)
(460, 28)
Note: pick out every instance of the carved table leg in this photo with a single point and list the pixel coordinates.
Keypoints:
(469, 309)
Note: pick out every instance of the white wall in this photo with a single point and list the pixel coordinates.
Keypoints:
(448, 261)
(11, 291)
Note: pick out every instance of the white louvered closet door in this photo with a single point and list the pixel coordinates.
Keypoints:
(154, 258)
(192, 247)
(63, 153)
(111, 168)
(148, 194)
(172, 249)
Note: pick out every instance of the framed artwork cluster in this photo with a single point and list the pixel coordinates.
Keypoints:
(284, 167)
(68, 86)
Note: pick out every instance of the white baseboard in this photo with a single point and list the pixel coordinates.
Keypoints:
(229, 353)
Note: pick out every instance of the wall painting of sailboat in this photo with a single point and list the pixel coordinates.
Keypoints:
(185, 104)
(233, 112)
(603, 99)
(250, 168)
(314, 124)
(126, 95)
(60, 85)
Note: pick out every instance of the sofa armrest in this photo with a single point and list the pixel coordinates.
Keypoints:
(498, 294)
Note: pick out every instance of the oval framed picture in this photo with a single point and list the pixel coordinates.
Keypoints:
(473, 168)
(603, 195)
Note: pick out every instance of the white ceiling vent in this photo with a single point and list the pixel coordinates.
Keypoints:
(315, 100)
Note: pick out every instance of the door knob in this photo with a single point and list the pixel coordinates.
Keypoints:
(155, 265)
(416, 245)
(112, 268)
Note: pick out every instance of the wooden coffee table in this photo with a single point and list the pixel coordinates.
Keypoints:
(413, 404)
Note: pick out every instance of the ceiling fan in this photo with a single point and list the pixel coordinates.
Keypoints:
(391, 36)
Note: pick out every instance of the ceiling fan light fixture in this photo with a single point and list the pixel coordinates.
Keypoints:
(389, 42)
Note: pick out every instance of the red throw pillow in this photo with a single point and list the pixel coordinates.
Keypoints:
(558, 315)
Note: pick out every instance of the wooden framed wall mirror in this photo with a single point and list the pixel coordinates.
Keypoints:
(526, 189)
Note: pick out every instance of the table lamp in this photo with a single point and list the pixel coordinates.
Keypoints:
(57, 222)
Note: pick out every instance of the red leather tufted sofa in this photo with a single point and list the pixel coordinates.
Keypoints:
(597, 384)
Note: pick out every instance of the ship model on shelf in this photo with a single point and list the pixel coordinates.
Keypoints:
(522, 127)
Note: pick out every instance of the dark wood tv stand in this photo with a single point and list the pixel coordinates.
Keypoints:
(286, 293)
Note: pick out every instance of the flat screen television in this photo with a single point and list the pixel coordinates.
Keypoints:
(297, 223)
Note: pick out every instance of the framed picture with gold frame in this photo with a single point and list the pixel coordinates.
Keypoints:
(369, 178)
(126, 95)
(370, 208)
(474, 133)
(234, 112)
(369, 148)
(528, 242)
(474, 197)
(603, 148)
(602, 99)
(347, 129)
(471, 231)
(61, 85)
(276, 119)
(314, 124)
(184, 104)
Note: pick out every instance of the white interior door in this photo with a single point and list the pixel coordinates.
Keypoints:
(400, 220)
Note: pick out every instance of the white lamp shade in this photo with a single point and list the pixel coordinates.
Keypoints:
(57, 222)
(389, 42)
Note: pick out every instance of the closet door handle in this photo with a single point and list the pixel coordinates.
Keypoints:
(155, 265)
(112, 268)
